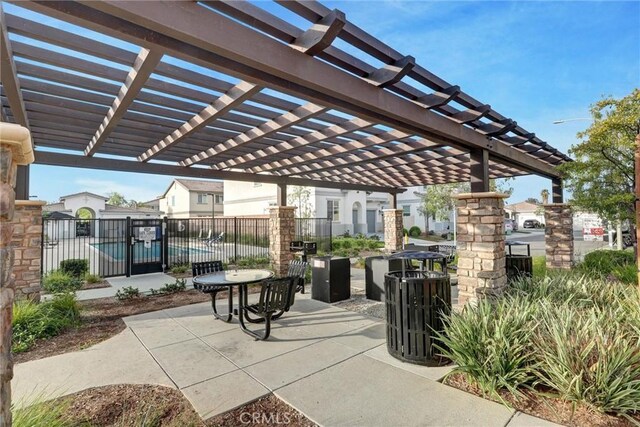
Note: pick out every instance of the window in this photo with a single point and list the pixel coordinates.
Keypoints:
(173, 200)
(333, 210)
(257, 184)
(406, 210)
(202, 199)
(219, 198)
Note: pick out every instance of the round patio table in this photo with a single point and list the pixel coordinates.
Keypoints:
(230, 278)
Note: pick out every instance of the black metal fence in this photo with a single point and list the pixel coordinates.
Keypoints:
(316, 230)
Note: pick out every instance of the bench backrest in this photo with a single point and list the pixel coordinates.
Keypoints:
(198, 268)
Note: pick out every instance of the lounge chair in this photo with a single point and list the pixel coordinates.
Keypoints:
(216, 240)
(203, 238)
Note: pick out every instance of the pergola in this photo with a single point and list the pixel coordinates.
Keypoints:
(229, 90)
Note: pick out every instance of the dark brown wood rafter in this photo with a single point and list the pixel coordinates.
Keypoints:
(320, 36)
(236, 95)
(9, 76)
(472, 114)
(278, 124)
(141, 70)
(440, 98)
(392, 73)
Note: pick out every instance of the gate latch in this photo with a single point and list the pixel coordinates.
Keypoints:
(133, 240)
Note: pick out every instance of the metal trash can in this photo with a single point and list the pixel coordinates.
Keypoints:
(416, 302)
(330, 279)
(375, 267)
(518, 264)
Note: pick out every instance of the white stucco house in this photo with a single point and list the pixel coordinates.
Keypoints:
(191, 198)
(67, 209)
(522, 211)
(352, 211)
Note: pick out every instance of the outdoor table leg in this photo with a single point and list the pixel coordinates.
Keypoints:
(229, 316)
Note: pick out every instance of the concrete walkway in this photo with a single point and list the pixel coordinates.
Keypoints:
(329, 363)
(144, 283)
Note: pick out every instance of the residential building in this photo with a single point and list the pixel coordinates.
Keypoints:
(190, 198)
(410, 202)
(152, 204)
(351, 211)
(522, 211)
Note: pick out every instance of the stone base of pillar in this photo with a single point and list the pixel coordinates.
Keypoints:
(480, 246)
(558, 219)
(392, 229)
(282, 231)
(27, 243)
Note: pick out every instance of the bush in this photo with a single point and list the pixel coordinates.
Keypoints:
(347, 243)
(57, 281)
(49, 413)
(568, 334)
(75, 267)
(92, 278)
(171, 288)
(127, 293)
(181, 268)
(252, 262)
(415, 231)
(405, 232)
(605, 263)
(32, 321)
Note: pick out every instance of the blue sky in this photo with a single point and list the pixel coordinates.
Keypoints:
(533, 61)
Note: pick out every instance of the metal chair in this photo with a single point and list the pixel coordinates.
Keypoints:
(198, 268)
(215, 241)
(298, 268)
(275, 299)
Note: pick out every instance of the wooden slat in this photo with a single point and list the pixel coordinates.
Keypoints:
(235, 96)
(9, 76)
(278, 124)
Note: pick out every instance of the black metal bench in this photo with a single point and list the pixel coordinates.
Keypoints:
(275, 299)
(199, 268)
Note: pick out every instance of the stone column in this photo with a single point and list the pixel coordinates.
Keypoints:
(282, 231)
(480, 245)
(558, 235)
(15, 149)
(392, 219)
(27, 236)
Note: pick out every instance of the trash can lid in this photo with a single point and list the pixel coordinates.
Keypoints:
(515, 243)
(417, 255)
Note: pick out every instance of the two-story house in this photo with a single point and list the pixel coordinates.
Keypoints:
(190, 198)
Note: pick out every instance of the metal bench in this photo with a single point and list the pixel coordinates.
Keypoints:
(199, 268)
(275, 298)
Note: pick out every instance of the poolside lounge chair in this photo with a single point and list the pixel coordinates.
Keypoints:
(216, 240)
(204, 238)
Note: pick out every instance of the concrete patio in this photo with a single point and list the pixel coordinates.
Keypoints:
(329, 363)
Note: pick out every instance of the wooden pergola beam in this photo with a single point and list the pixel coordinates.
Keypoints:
(9, 76)
(321, 34)
(278, 124)
(225, 103)
(313, 137)
(145, 63)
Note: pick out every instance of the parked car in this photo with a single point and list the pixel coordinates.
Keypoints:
(532, 223)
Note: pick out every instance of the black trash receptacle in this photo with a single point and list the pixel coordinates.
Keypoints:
(330, 279)
(416, 302)
(375, 267)
(518, 264)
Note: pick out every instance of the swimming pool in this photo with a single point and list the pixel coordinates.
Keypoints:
(116, 250)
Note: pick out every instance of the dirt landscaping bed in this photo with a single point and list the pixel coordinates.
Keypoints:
(556, 410)
(99, 285)
(268, 410)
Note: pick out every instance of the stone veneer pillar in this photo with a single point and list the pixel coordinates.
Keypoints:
(558, 235)
(282, 231)
(392, 229)
(27, 237)
(15, 149)
(480, 246)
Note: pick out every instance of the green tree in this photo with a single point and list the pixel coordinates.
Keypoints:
(116, 199)
(544, 195)
(601, 178)
(300, 197)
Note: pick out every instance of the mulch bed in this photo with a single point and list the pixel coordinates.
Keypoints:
(266, 411)
(553, 409)
(98, 285)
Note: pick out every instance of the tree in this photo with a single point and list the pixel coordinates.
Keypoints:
(533, 200)
(300, 197)
(116, 199)
(544, 195)
(601, 178)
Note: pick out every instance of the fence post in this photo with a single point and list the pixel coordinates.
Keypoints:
(235, 239)
(330, 235)
(128, 248)
(165, 244)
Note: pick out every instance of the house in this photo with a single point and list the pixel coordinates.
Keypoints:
(520, 212)
(191, 198)
(410, 202)
(151, 204)
(351, 211)
(61, 216)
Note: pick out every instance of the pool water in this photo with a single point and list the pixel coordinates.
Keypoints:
(116, 250)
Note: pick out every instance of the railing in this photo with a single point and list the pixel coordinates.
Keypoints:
(316, 230)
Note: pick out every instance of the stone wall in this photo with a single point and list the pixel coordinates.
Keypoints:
(392, 229)
(558, 219)
(282, 231)
(27, 235)
(480, 245)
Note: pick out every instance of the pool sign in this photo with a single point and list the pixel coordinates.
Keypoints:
(147, 234)
(592, 230)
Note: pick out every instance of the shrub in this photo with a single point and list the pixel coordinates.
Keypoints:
(127, 293)
(252, 261)
(57, 281)
(347, 243)
(180, 268)
(32, 321)
(92, 278)
(405, 232)
(605, 262)
(336, 244)
(171, 288)
(49, 413)
(415, 231)
(75, 267)
(539, 266)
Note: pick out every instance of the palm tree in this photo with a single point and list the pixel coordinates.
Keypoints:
(544, 194)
